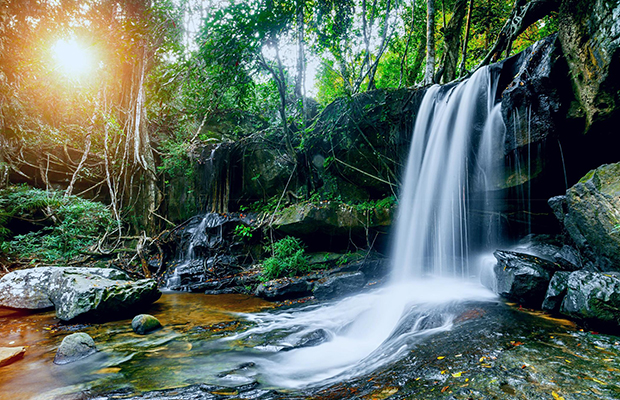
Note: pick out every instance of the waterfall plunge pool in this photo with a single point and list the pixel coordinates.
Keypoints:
(216, 347)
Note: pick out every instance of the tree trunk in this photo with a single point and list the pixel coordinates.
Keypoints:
(523, 15)
(452, 41)
(465, 40)
(430, 43)
(300, 87)
(384, 41)
(403, 59)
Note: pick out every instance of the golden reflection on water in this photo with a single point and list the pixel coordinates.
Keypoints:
(144, 362)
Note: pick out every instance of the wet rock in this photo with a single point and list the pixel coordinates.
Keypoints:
(569, 258)
(330, 218)
(314, 338)
(339, 285)
(144, 323)
(11, 354)
(80, 295)
(373, 267)
(30, 288)
(522, 277)
(590, 212)
(556, 292)
(75, 347)
(593, 297)
(284, 289)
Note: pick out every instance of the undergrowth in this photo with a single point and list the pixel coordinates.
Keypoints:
(288, 259)
(44, 225)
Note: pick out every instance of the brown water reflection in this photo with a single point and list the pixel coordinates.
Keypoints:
(169, 357)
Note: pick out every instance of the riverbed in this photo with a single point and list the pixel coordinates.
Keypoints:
(492, 349)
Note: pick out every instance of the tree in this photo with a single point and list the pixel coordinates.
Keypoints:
(430, 43)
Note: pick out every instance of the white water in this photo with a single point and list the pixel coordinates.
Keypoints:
(454, 153)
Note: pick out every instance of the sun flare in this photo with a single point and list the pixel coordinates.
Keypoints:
(72, 58)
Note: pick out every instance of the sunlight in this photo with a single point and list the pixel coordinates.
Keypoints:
(72, 58)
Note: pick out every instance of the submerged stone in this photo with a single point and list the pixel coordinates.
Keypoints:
(75, 347)
(11, 354)
(144, 323)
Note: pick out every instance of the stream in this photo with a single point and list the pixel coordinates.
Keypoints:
(491, 349)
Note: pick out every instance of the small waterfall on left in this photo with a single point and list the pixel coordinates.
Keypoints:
(200, 239)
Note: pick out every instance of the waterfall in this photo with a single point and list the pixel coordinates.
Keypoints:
(444, 224)
(454, 153)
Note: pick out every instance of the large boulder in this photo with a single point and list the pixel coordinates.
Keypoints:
(522, 277)
(590, 212)
(30, 289)
(593, 297)
(76, 292)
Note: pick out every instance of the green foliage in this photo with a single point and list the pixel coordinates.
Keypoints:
(243, 232)
(288, 259)
(62, 227)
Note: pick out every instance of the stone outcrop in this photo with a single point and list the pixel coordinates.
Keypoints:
(76, 292)
(590, 36)
(590, 214)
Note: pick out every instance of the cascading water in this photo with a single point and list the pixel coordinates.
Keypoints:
(445, 215)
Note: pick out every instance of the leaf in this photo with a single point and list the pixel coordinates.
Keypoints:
(441, 357)
(457, 374)
(557, 396)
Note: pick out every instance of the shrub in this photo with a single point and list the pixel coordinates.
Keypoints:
(59, 227)
(288, 259)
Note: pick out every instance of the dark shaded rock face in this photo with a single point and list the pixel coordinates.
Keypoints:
(284, 289)
(522, 277)
(590, 213)
(590, 36)
(339, 285)
(593, 296)
(75, 347)
(556, 292)
(331, 225)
